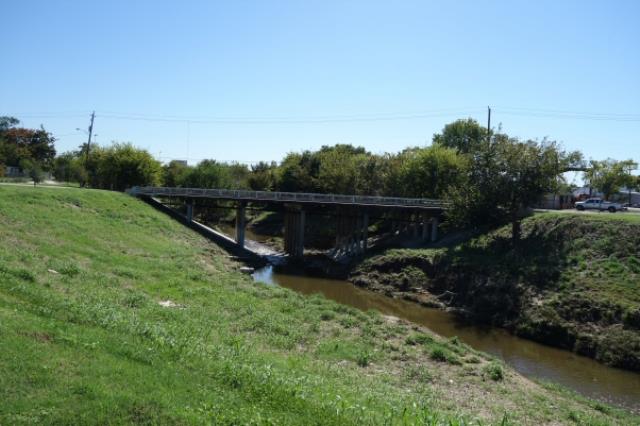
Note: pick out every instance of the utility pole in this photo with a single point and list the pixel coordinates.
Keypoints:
(93, 116)
(489, 124)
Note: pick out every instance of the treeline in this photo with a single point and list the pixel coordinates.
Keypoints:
(488, 177)
(338, 169)
(31, 150)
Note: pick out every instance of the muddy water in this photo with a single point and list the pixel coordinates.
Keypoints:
(581, 374)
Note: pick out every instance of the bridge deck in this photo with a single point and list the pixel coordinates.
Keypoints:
(291, 197)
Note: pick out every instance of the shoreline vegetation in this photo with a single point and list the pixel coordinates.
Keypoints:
(111, 312)
(570, 282)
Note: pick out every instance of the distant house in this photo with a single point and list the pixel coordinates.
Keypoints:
(585, 192)
(627, 196)
(557, 201)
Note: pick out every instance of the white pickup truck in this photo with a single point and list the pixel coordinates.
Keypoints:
(599, 204)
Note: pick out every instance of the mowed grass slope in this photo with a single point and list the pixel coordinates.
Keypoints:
(84, 339)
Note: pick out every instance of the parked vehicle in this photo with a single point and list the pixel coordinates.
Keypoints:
(599, 204)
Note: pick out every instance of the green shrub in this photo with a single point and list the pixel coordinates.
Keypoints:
(494, 371)
(364, 358)
(327, 315)
(418, 339)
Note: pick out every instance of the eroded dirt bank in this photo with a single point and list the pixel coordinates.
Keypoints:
(571, 282)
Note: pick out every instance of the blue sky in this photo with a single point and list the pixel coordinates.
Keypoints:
(259, 79)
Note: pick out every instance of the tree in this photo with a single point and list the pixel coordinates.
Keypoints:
(17, 144)
(338, 173)
(174, 173)
(69, 167)
(209, 174)
(7, 123)
(465, 136)
(299, 173)
(33, 169)
(430, 172)
(263, 176)
(505, 177)
(608, 176)
(122, 166)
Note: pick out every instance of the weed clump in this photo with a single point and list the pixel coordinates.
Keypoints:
(442, 354)
(494, 371)
(364, 359)
(327, 315)
(418, 339)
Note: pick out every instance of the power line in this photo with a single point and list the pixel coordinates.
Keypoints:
(287, 120)
(542, 113)
(373, 117)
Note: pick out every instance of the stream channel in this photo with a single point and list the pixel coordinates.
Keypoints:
(581, 374)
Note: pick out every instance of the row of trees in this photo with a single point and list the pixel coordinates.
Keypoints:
(489, 178)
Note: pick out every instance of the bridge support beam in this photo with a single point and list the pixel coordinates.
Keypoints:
(351, 232)
(434, 229)
(294, 223)
(190, 210)
(240, 223)
(365, 231)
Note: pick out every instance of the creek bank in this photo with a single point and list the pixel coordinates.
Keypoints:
(571, 282)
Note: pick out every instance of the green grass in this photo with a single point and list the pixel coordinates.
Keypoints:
(629, 216)
(84, 339)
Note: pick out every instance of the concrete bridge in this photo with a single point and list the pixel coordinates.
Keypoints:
(418, 217)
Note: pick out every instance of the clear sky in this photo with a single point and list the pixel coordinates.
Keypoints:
(257, 79)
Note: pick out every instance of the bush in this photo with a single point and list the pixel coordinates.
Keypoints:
(122, 166)
(494, 371)
(418, 339)
(364, 358)
(442, 354)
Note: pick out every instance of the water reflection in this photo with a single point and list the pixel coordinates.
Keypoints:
(582, 374)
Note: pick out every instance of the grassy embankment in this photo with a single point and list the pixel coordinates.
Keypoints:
(85, 341)
(573, 281)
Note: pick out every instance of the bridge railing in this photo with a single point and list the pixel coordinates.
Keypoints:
(238, 194)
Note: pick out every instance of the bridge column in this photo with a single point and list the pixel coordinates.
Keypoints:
(434, 229)
(240, 223)
(190, 210)
(365, 231)
(406, 224)
(425, 227)
(358, 234)
(294, 223)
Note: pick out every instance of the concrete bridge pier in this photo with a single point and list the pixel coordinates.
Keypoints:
(351, 232)
(190, 210)
(364, 231)
(434, 229)
(426, 225)
(294, 222)
(240, 223)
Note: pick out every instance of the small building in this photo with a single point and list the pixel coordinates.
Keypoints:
(629, 196)
(557, 201)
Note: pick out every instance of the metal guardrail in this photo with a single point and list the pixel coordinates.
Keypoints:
(301, 197)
